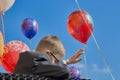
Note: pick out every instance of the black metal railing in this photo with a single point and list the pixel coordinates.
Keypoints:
(7, 76)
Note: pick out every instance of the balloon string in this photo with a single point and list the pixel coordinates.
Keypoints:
(85, 59)
(103, 58)
(76, 1)
(30, 44)
(2, 21)
(105, 63)
(77, 4)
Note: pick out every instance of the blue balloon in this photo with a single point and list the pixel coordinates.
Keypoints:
(75, 72)
(29, 27)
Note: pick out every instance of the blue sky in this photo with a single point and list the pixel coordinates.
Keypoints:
(52, 16)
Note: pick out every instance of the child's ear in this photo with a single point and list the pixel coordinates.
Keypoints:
(47, 51)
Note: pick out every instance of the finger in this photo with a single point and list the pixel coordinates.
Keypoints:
(78, 59)
(79, 52)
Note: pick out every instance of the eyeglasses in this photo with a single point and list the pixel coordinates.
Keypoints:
(57, 60)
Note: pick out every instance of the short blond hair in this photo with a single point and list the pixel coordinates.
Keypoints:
(51, 43)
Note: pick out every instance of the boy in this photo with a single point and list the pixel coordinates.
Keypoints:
(46, 60)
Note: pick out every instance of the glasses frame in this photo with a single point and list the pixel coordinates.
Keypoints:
(57, 60)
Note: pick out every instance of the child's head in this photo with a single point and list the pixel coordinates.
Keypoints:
(53, 44)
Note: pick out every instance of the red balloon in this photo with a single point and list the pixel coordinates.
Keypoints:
(80, 25)
(11, 54)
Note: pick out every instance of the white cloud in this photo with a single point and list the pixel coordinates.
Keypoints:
(81, 66)
(94, 71)
(96, 68)
(93, 68)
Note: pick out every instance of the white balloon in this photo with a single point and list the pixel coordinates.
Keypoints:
(5, 5)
